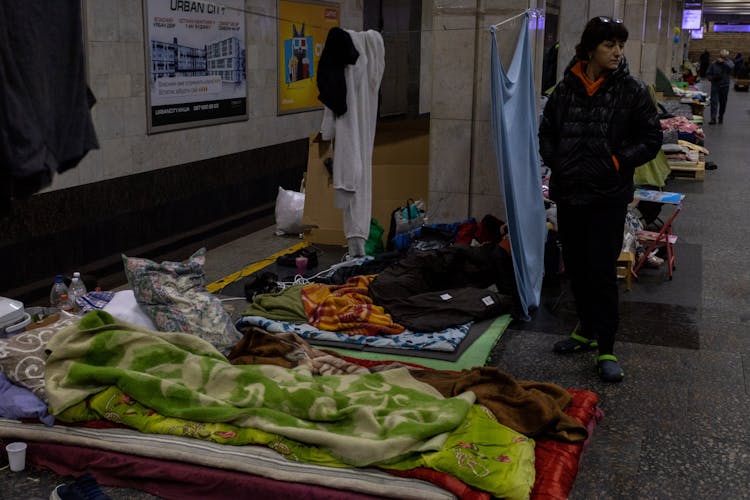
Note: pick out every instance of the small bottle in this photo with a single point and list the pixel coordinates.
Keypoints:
(58, 290)
(76, 290)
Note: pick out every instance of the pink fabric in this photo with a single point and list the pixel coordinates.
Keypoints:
(173, 480)
(681, 124)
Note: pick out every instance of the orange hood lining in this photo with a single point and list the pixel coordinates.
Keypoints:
(579, 70)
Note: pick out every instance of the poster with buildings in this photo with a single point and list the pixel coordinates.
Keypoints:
(195, 57)
(303, 28)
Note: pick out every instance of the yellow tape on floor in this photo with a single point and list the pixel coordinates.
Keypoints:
(250, 269)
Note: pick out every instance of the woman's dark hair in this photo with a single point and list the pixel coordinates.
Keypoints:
(597, 30)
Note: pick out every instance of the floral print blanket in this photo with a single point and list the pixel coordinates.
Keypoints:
(480, 452)
(445, 340)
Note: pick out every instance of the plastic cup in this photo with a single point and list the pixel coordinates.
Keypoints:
(301, 263)
(16, 456)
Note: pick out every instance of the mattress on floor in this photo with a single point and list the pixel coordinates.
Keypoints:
(254, 460)
(183, 467)
(382, 347)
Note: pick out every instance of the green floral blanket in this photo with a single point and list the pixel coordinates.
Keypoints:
(360, 419)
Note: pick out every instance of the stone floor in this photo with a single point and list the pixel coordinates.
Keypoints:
(677, 427)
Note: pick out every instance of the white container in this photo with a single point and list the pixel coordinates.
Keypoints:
(16, 456)
(76, 290)
(13, 316)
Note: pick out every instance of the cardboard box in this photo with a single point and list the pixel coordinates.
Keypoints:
(320, 211)
(400, 171)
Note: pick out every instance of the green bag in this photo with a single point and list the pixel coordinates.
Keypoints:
(374, 243)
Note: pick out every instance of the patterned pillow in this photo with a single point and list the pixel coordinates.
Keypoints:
(23, 356)
(174, 296)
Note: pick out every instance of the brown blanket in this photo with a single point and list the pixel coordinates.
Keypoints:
(288, 350)
(531, 408)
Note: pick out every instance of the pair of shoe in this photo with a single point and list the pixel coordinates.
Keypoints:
(575, 343)
(712, 121)
(267, 282)
(607, 365)
(83, 488)
(609, 368)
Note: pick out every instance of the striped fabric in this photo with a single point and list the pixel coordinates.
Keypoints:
(347, 308)
(249, 459)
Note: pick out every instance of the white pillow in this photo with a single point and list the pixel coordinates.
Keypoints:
(124, 307)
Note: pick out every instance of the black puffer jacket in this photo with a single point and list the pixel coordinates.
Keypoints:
(579, 134)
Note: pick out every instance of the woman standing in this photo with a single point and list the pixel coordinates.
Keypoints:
(599, 124)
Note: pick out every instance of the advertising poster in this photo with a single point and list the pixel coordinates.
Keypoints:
(303, 28)
(195, 56)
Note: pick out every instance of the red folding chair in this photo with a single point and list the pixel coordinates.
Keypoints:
(664, 237)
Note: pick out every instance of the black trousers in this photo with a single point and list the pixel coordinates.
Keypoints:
(591, 238)
(719, 97)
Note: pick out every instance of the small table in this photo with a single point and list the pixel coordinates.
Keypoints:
(625, 268)
(664, 237)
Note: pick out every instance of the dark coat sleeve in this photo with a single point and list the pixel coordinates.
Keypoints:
(549, 131)
(645, 144)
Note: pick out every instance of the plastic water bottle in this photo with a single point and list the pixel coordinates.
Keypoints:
(58, 290)
(75, 290)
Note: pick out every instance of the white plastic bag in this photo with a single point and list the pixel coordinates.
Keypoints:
(289, 208)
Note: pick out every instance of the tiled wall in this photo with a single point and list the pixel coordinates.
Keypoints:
(714, 42)
(116, 69)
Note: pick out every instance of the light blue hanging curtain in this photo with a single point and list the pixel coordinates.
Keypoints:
(514, 128)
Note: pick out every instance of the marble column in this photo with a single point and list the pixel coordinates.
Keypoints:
(651, 37)
(674, 50)
(573, 17)
(463, 169)
(451, 108)
(634, 19)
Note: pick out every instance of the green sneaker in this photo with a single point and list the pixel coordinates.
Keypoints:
(609, 368)
(575, 343)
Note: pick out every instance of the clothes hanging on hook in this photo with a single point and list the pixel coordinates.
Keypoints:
(514, 127)
(355, 136)
(338, 53)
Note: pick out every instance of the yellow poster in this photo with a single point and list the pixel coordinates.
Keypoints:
(303, 28)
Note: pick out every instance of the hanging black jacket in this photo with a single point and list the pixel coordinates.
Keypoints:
(45, 120)
(338, 52)
(579, 135)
